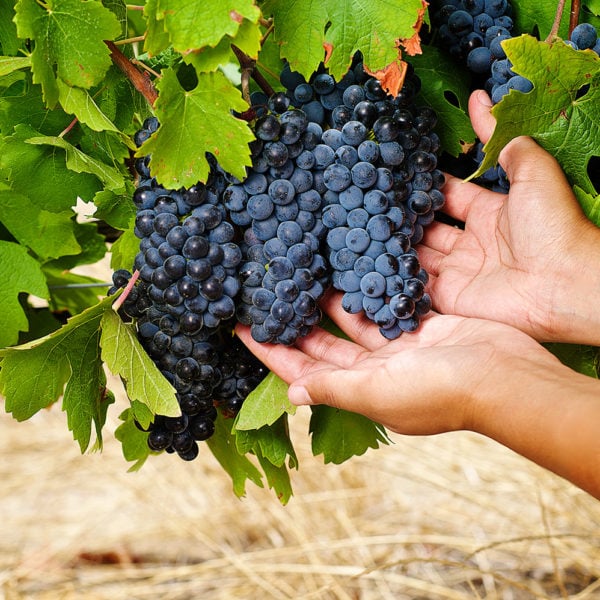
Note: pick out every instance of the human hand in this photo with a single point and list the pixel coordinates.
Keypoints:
(422, 383)
(528, 259)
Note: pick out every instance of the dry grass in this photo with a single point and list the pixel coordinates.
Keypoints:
(452, 517)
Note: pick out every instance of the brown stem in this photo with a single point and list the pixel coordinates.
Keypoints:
(574, 15)
(68, 127)
(141, 82)
(557, 19)
(247, 63)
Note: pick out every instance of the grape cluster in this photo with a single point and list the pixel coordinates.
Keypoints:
(284, 274)
(183, 303)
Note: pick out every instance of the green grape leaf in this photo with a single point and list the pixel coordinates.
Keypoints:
(564, 124)
(124, 356)
(133, 441)
(196, 122)
(445, 89)
(42, 173)
(93, 248)
(79, 162)
(193, 25)
(583, 359)
(339, 435)
(265, 405)
(77, 101)
(240, 469)
(305, 29)
(278, 478)
(27, 108)
(66, 362)
(115, 209)
(157, 39)
(273, 441)
(270, 64)
(9, 42)
(119, 9)
(124, 250)
(590, 204)
(19, 272)
(537, 17)
(210, 59)
(69, 42)
(8, 64)
(272, 446)
(48, 234)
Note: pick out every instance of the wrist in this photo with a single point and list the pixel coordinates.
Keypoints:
(573, 314)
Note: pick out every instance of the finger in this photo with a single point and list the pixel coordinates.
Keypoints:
(431, 260)
(481, 117)
(441, 237)
(358, 328)
(460, 196)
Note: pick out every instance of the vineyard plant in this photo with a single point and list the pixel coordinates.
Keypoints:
(233, 160)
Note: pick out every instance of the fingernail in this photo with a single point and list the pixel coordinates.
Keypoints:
(298, 395)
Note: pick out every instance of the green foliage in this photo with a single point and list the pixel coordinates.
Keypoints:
(554, 113)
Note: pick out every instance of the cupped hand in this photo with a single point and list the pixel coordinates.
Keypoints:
(422, 383)
(528, 258)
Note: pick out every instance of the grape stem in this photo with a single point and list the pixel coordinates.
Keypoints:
(574, 15)
(141, 81)
(119, 301)
(249, 65)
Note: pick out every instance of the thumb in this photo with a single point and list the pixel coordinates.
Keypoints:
(481, 117)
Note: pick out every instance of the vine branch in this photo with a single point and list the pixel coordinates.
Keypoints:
(248, 65)
(574, 15)
(140, 81)
(560, 9)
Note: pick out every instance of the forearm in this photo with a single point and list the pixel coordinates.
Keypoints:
(551, 416)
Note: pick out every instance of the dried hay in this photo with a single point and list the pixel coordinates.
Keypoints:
(453, 517)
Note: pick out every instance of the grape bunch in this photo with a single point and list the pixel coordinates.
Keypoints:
(183, 303)
(334, 197)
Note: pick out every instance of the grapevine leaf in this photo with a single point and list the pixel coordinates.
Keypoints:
(8, 31)
(269, 63)
(41, 173)
(133, 441)
(34, 375)
(8, 64)
(192, 25)
(27, 107)
(593, 6)
(265, 405)
(93, 248)
(19, 272)
(196, 122)
(124, 250)
(239, 468)
(77, 101)
(537, 17)
(590, 204)
(304, 28)
(79, 162)
(119, 9)
(278, 478)
(157, 39)
(48, 234)
(272, 441)
(141, 413)
(583, 359)
(554, 113)
(116, 210)
(124, 356)
(445, 90)
(210, 59)
(340, 435)
(69, 42)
